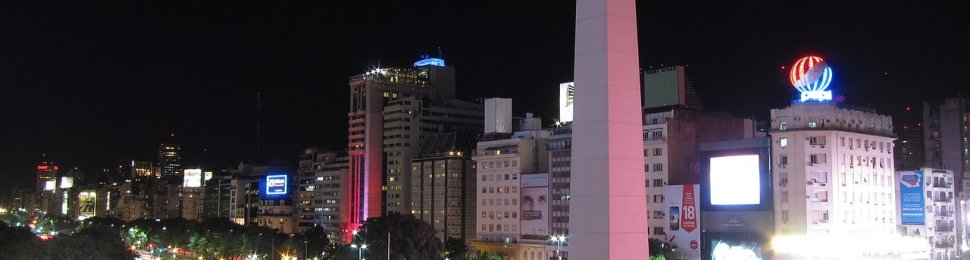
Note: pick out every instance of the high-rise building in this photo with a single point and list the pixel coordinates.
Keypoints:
(669, 86)
(947, 139)
(141, 170)
(370, 93)
(318, 195)
(909, 147)
(47, 199)
(217, 196)
(407, 123)
(170, 159)
(671, 138)
(833, 167)
(928, 206)
(513, 186)
(560, 165)
(443, 187)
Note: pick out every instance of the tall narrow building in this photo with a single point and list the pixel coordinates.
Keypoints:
(443, 184)
(607, 172)
(370, 94)
(170, 160)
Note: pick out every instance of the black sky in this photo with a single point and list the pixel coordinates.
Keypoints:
(93, 83)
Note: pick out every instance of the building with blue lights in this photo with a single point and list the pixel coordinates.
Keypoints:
(380, 150)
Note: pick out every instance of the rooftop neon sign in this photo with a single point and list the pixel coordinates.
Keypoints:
(811, 76)
(428, 61)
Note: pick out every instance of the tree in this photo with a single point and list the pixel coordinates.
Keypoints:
(411, 238)
(659, 249)
(315, 241)
(456, 248)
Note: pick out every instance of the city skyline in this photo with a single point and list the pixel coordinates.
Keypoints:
(119, 89)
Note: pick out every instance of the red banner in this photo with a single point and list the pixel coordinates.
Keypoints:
(688, 215)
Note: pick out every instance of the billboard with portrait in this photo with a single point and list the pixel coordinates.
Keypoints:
(535, 205)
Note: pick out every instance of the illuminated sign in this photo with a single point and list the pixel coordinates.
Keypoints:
(67, 182)
(911, 199)
(735, 180)
(811, 76)
(192, 178)
(427, 61)
(87, 204)
(42, 167)
(208, 175)
(276, 184)
(566, 94)
(50, 185)
(683, 215)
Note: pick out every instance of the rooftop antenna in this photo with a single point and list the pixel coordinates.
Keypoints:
(440, 56)
(259, 109)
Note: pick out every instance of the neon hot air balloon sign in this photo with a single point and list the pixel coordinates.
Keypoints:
(811, 76)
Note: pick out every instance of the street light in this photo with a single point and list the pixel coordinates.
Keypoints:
(559, 240)
(359, 249)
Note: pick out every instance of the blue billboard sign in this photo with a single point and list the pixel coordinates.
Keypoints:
(276, 184)
(911, 198)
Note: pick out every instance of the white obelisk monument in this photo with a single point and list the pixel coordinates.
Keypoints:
(608, 210)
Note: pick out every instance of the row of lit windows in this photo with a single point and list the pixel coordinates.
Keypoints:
(499, 202)
(500, 164)
(499, 177)
(500, 215)
(505, 189)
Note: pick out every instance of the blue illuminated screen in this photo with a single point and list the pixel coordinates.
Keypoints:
(275, 184)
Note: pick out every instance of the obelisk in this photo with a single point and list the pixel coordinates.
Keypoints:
(608, 215)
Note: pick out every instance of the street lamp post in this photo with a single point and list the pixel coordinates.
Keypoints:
(359, 250)
(559, 239)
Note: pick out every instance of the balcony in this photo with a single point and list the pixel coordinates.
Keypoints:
(942, 199)
(943, 245)
(944, 213)
(943, 228)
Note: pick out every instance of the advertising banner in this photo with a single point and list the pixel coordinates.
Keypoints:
(911, 198)
(67, 182)
(87, 204)
(683, 216)
(566, 96)
(535, 204)
(276, 184)
(192, 178)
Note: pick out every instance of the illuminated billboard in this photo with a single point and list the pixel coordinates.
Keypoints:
(811, 75)
(276, 184)
(911, 199)
(208, 175)
(566, 97)
(735, 180)
(725, 249)
(50, 185)
(683, 218)
(192, 178)
(87, 204)
(67, 182)
(535, 205)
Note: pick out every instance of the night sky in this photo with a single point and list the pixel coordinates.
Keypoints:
(90, 84)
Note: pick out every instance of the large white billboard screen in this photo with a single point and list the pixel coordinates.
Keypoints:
(735, 180)
(193, 178)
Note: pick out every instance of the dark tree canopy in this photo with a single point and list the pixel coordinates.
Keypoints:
(411, 238)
